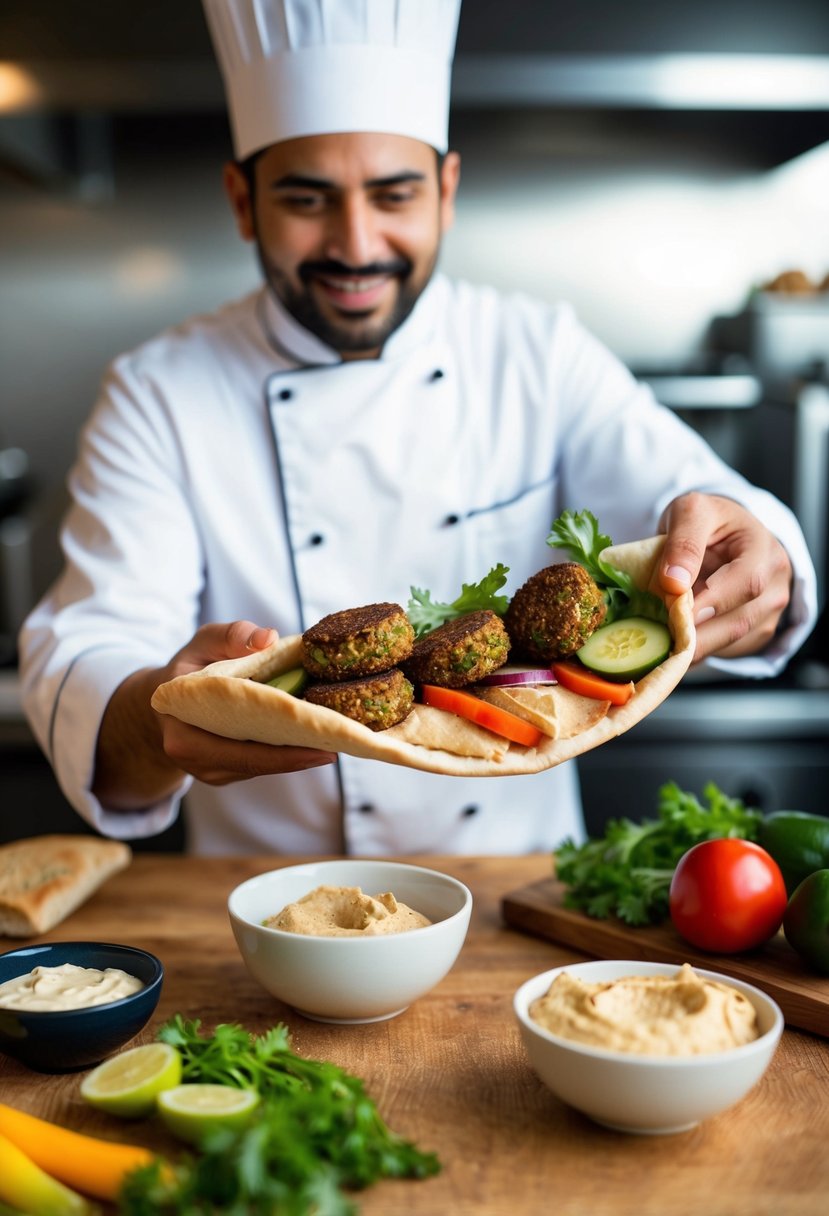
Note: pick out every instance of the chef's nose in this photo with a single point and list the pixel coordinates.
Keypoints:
(352, 234)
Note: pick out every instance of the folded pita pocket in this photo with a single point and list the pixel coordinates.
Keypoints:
(231, 698)
(44, 878)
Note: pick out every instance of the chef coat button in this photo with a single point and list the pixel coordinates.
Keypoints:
(472, 809)
(437, 374)
(366, 808)
(316, 538)
(285, 394)
(451, 520)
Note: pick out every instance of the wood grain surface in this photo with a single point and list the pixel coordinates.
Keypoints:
(774, 968)
(450, 1072)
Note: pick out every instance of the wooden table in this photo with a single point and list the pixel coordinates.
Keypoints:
(450, 1072)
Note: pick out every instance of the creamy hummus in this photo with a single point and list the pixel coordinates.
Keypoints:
(346, 912)
(655, 1015)
(46, 989)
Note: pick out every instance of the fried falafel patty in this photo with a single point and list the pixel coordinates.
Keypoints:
(357, 642)
(378, 701)
(554, 612)
(460, 651)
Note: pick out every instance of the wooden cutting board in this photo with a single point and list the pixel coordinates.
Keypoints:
(774, 968)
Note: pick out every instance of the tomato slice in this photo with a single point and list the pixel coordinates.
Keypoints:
(491, 717)
(587, 684)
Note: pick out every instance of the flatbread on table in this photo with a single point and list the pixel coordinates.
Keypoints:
(44, 878)
(229, 699)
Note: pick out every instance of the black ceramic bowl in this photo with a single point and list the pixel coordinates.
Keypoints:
(71, 1039)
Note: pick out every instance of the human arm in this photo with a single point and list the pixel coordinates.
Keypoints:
(141, 756)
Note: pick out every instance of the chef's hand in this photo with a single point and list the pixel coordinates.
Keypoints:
(141, 755)
(740, 574)
(212, 758)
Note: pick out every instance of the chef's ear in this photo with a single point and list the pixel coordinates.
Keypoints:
(450, 176)
(238, 190)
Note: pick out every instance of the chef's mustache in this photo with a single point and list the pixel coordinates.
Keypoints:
(309, 270)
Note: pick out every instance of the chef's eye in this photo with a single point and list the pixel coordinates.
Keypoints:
(305, 203)
(398, 197)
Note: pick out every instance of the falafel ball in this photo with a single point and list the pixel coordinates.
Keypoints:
(357, 642)
(378, 701)
(460, 651)
(554, 613)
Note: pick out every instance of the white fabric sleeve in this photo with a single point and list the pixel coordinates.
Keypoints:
(123, 601)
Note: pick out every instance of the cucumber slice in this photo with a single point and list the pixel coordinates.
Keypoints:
(292, 681)
(627, 649)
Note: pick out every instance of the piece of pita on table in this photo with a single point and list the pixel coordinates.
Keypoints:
(45, 878)
(230, 698)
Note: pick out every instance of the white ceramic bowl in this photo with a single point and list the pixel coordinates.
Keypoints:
(350, 979)
(645, 1094)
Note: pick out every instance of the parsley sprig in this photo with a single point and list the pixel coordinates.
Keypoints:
(627, 872)
(315, 1135)
(578, 534)
(426, 614)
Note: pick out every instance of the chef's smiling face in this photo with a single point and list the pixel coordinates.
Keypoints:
(348, 229)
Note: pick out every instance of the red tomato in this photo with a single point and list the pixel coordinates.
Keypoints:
(727, 896)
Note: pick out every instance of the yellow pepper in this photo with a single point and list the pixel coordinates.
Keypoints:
(27, 1187)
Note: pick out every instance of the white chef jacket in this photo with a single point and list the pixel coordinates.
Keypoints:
(235, 468)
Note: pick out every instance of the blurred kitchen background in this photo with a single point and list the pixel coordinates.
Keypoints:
(663, 168)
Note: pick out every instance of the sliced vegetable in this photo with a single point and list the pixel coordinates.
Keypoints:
(588, 684)
(191, 1111)
(128, 1084)
(626, 649)
(97, 1167)
(30, 1189)
(491, 717)
(511, 675)
(293, 681)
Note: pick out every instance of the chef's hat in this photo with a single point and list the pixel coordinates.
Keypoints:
(314, 67)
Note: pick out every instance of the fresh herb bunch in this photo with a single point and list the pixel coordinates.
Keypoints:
(425, 615)
(627, 872)
(578, 534)
(315, 1134)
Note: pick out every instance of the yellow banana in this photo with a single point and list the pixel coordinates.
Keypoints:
(26, 1186)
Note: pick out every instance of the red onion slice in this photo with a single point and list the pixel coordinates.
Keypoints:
(510, 674)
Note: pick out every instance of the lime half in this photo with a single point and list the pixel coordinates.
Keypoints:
(190, 1111)
(128, 1084)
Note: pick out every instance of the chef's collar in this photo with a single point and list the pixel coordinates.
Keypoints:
(297, 344)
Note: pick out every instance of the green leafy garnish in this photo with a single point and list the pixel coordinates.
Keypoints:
(315, 1134)
(577, 532)
(627, 872)
(425, 615)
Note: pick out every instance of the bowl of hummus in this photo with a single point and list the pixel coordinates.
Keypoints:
(652, 1048)
(350, 941)
(68, 1005)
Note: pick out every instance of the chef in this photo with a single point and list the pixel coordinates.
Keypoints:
(358, 426)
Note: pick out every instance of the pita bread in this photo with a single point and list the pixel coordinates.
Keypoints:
(44, 878)
(229, 698)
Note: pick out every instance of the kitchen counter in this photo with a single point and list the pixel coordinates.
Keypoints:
(450, 1072)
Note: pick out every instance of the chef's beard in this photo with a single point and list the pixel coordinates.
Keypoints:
(359, 332)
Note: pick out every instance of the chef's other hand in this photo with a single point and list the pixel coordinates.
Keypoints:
(212, 758)
(740, 574)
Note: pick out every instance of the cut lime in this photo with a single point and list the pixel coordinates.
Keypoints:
(190, 1111)
(129, 1083)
